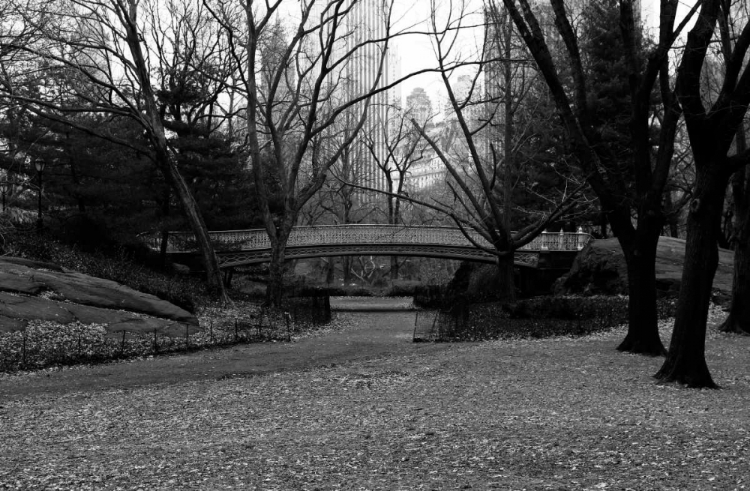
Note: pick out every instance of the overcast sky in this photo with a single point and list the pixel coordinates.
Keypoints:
(417, 52)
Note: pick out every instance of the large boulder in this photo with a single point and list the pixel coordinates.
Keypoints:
(43, 291)
(600, 269)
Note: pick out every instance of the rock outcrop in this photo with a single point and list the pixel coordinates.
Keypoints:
(600, 269)
(37, 290)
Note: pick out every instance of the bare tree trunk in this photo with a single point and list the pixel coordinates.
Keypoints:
(603, 224)
(275, 288)
(505, 264)
(639, 247)
(164, 232)
(739, 310)
(643, 327)
(346, 266)
(198, 226)
(165, 161)
(672, 215)
(330, 270)
(505, 283)
(686, 361)
(394, 268)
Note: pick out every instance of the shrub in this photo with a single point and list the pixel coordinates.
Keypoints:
(403, 288)
(539, 317)
(43, 344)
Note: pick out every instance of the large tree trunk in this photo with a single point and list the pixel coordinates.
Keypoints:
(643, 322)
(739, 310)
(686, 361)
(197, 225)
(639, 247)
(165, 161)
(738, 320)
(505, 284)
(275, 287)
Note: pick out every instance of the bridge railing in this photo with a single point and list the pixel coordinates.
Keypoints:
(257, 239)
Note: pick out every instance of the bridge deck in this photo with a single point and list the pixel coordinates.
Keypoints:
(236, 247)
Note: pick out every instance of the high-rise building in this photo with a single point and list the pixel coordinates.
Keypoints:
(373, 66)
(371, 63)
(419, 105)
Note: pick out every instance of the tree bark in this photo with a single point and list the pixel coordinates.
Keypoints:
(330, 270)
(164, 160)
(672, 215)
(505, 283)
(639, 248)
(394, 268)
(164, 230)
(346, 269)
(195, 219)
(643, 322)
(686, 361)
(738, 320)
(275, 288)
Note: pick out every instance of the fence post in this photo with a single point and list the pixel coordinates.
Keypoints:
(288, 319)
(122, 344)
(235, 329)
(156, 344)
(187, 337)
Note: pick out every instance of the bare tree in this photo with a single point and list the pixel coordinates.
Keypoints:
(103, 46)
(404, 147)
(480, 177)
(738, 320)
(638, 192)
(712, 131)
(15, 34)
(311, 84)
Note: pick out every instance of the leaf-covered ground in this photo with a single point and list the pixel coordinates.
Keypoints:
(514, 414)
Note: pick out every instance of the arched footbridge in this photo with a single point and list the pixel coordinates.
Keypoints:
(239, 247)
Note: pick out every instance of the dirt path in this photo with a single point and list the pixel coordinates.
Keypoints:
(378, 332)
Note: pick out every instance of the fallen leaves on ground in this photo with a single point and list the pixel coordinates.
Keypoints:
(511, 414)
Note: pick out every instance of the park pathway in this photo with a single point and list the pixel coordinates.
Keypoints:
(378, 328)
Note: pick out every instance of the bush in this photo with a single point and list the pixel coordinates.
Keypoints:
(557, 307)
(539, 317)
(403, 288)
(44, 344)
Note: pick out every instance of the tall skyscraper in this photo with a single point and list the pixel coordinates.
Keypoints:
(374, 66)
(364, 61)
